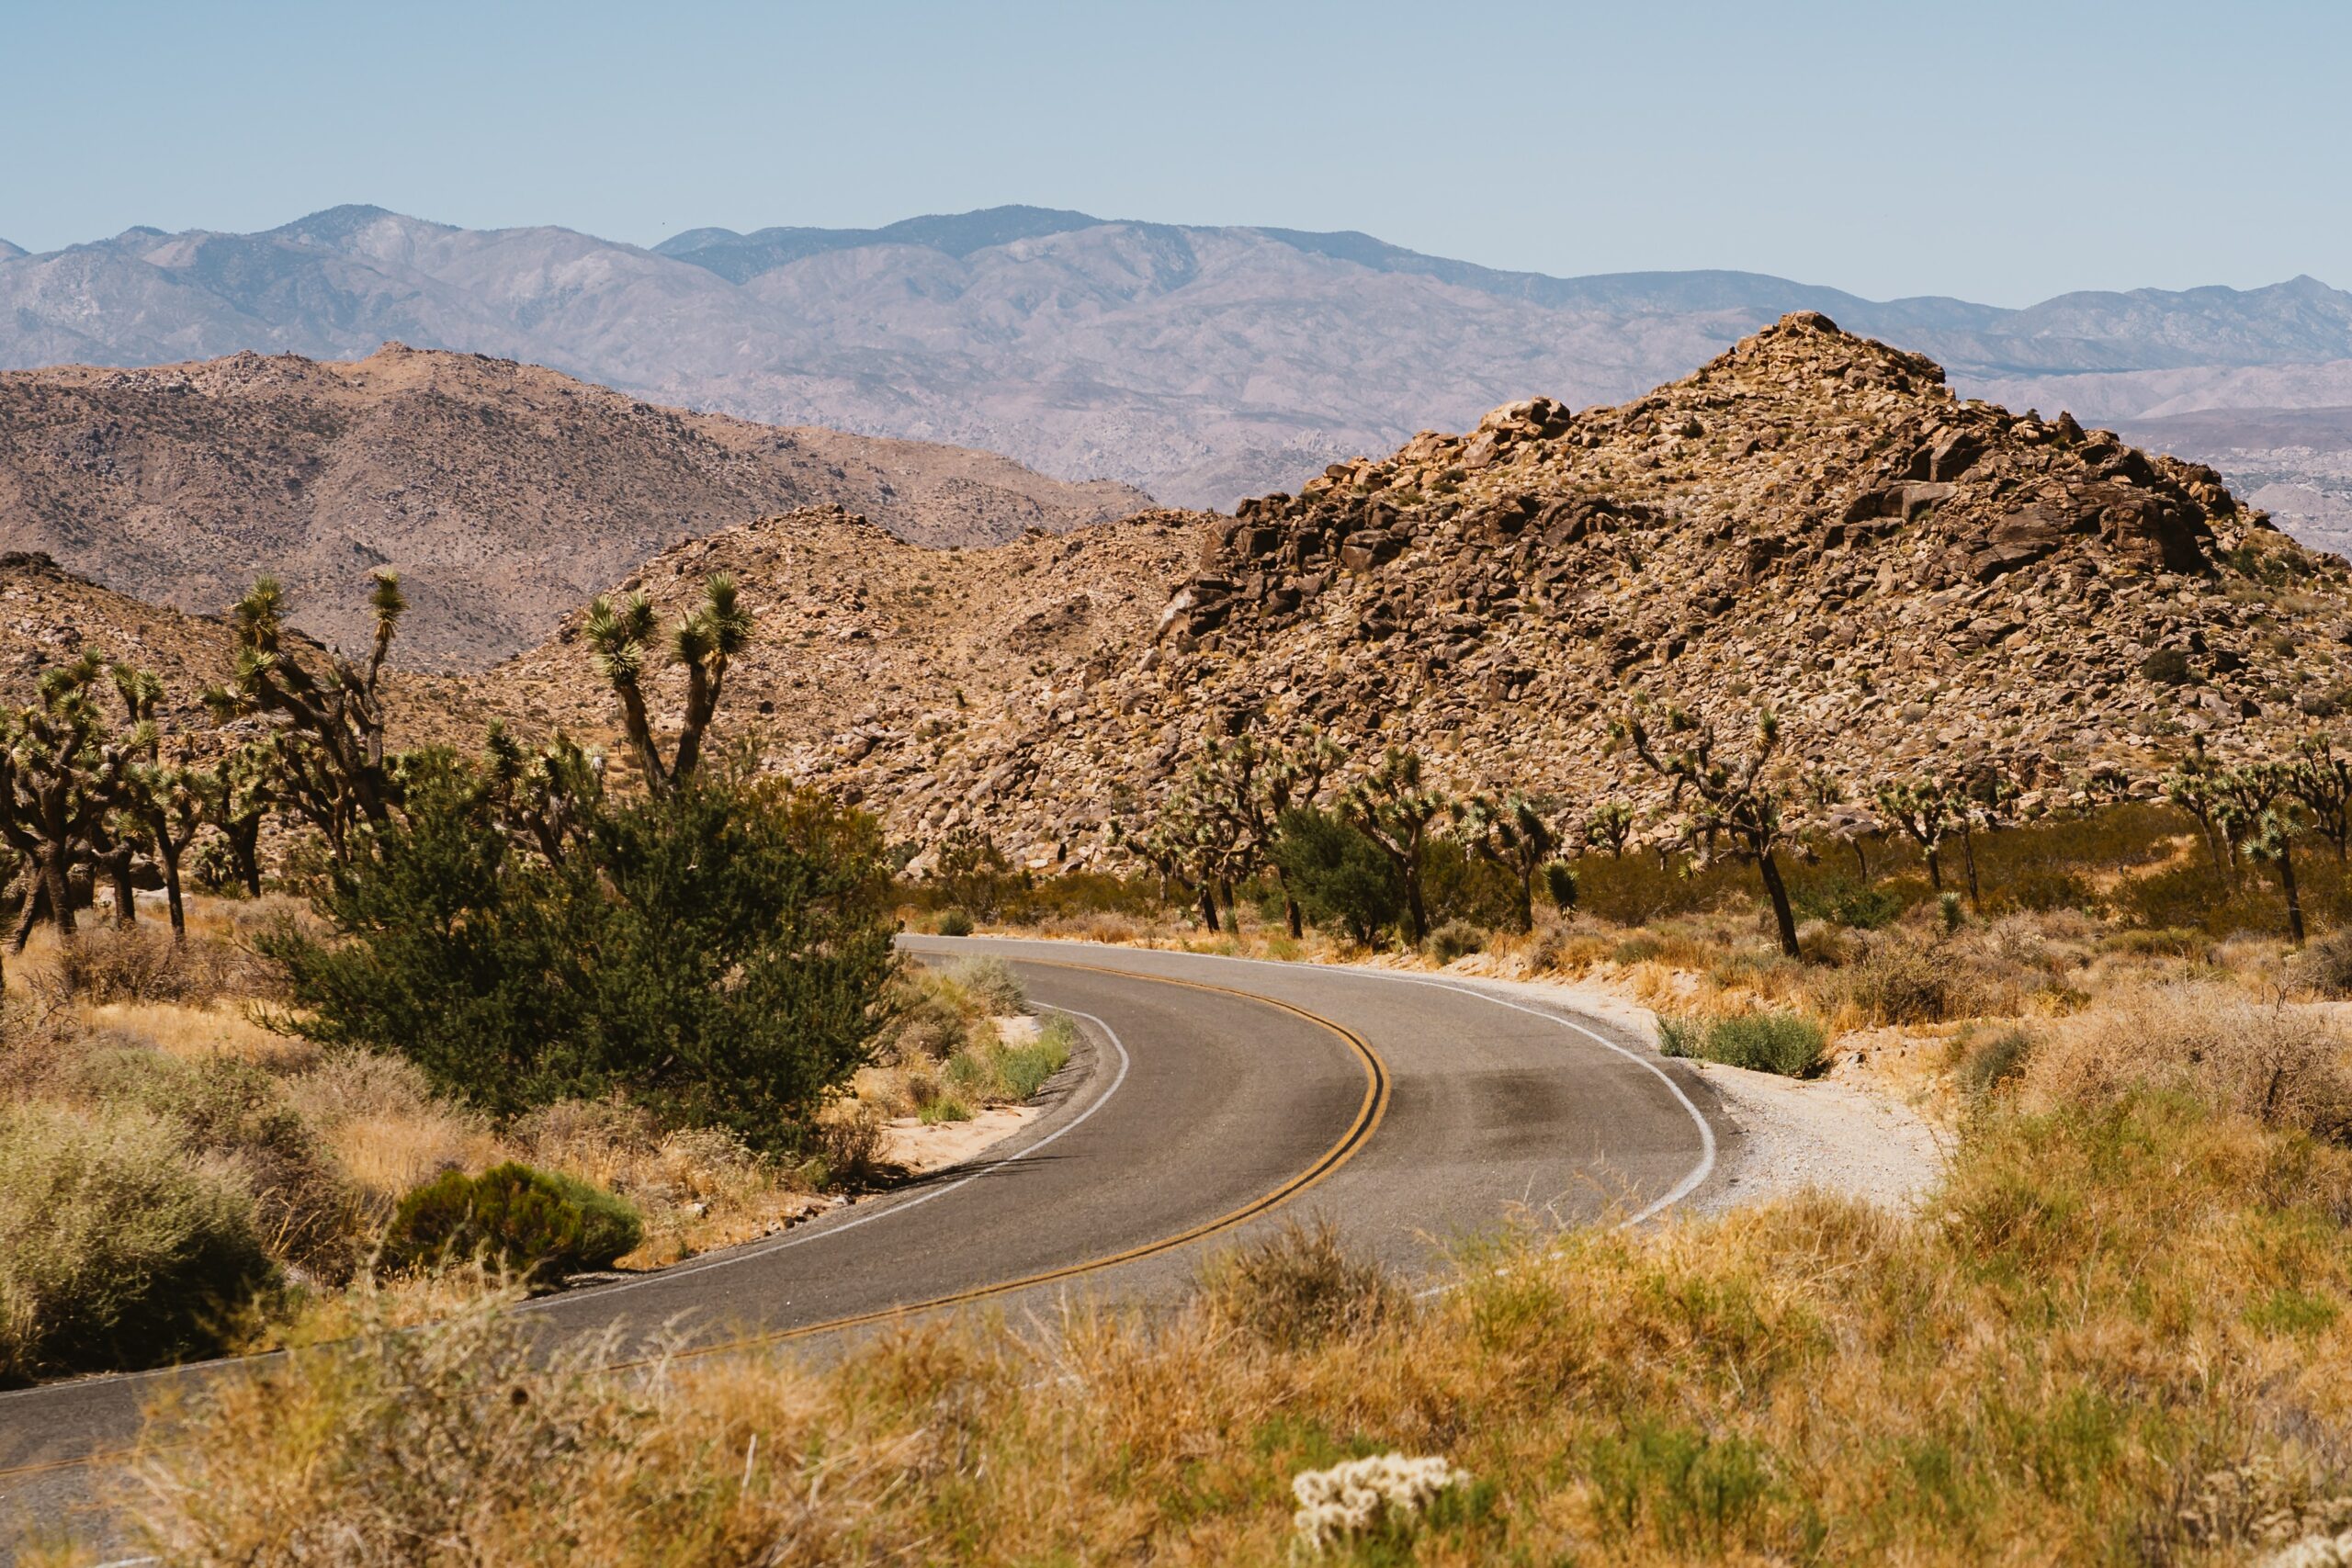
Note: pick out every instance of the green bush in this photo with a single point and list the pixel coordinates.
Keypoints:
(1299, 1286)
(233, 1112)
(954, 922)
(540, 1224)
(1896, 982)
(1341, 878)
(1847, 903)
(718, 955)
(1784, 1042)
(995, 1073)
(119, 1252)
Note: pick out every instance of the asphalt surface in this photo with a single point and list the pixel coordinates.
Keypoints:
(1211, 1098)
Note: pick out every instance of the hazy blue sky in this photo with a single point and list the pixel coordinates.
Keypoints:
(1997, 151)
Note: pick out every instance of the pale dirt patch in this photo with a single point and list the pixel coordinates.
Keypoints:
(917, 1148)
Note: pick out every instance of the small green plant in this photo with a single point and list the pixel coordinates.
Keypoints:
(540, 1224)
(991, 984)
(1784, 1042)
(2168, 667)
(954, 922)
(1947, 909)
(944, 1108)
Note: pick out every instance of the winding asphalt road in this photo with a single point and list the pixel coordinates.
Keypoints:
(1211, 1096)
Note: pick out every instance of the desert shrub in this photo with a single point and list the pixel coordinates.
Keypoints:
(120, 1251)
(1898, 982)
(1298, 1286)
(1456, 939)
(141, 963)
(1341, 879)
(1784, 1042)
(2168, 943)
(1988, 1065)
(1077, 894)
(1636, 890)
(991, 984)
(2168, 667)
(849, 1142)
(944, 1106)
(538, 1224)
(2326, 964)
(925, 1026)
(1844, 902)
(2045, 889)
(1459, 886)
(718, 955)
(235, 1113)
(2283, 1066)
(953, 922)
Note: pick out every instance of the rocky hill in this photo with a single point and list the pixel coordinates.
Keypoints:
(1812, 522)
(504, 493)
(880, 667)
(1202, 363)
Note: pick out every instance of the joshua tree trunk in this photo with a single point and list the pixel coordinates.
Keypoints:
(1208, 906)
(1862, 862)
(244, 850)
(1968, 855)
(2294, 898)
(1415, 909)
(1781, 914)
(168, 853)
(1526, 899)
(1935, 874)
(53, 887)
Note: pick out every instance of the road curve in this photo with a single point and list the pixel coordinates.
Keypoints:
(1212, 1096)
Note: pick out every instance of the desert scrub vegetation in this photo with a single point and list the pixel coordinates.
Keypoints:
(2117, 1331)
(1784, 1042)
(962, 1038)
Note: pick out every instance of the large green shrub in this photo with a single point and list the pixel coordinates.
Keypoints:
(718, 955)
(541, 1225)
(116, 1250)
(1340, 877)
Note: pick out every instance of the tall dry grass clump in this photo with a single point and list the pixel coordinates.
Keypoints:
(2281, 1065)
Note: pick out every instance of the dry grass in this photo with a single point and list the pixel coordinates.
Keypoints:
(2118, 1334)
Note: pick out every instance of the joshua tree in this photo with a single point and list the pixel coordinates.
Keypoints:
(59, 782)
(1391, 806)
(2322, 782)
(165, 802)
(1610, 828)
(2194, 786)
(238, 791)
(1186, 845)
(2255, 806)
(331, 723)
(1979, 802)
(969, 870)
(1922, 810)
(1249, 784)
(1728, 801)
(1511, 833)
(546, 798)
(620, 634)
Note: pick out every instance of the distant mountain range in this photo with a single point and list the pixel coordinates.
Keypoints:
(1202, 364)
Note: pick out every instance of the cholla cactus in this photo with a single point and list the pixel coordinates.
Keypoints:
(1348, 1499)
(704, 641)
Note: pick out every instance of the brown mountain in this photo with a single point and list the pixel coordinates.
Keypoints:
(1812, 523)
(503, 493)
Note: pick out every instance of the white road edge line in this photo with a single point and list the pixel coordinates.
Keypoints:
(885, 1210)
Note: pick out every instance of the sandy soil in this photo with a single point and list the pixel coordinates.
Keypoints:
(910, 1146)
